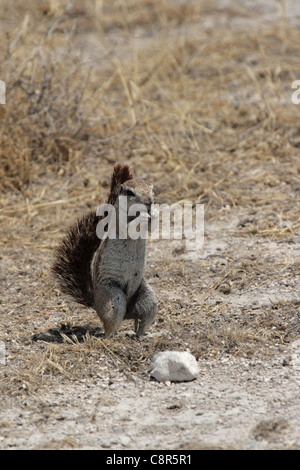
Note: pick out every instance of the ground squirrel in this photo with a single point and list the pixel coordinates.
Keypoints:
(108, 274)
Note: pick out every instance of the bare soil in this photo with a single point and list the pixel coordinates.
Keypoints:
(234, 304)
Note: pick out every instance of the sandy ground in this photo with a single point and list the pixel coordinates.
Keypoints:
(239, 296)
(235, 403)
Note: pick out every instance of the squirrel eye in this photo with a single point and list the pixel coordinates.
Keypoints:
(129, 192)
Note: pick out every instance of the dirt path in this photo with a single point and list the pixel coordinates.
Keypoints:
(236, 402)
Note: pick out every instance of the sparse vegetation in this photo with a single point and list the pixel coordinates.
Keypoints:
(203, 109)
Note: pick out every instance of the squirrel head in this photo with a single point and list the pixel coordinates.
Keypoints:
(135, 202)
(137, 191)
(131, 197)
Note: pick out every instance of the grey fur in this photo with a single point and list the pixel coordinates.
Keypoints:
(108, 274)
(120, 290)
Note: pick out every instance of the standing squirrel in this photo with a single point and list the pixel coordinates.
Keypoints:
(108, 274)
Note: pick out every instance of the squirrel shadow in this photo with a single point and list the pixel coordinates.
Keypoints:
(74, 333)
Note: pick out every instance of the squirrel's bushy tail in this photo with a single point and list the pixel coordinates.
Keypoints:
(120, 174)
(73, 257)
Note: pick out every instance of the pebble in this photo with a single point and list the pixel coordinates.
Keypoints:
(225, 288)
(125, 440)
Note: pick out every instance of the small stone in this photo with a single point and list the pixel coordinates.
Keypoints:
(174, 366)
(124, 441)
(225, 288)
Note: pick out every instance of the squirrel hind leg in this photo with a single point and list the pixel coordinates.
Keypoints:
(142, 308)
(110, 305)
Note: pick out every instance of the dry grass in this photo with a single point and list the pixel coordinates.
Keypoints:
(203, 112)
(209, 111)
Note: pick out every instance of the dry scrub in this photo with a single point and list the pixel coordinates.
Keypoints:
(203, 112)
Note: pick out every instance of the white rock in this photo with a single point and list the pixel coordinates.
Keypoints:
(174, 366)
(125, 440)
